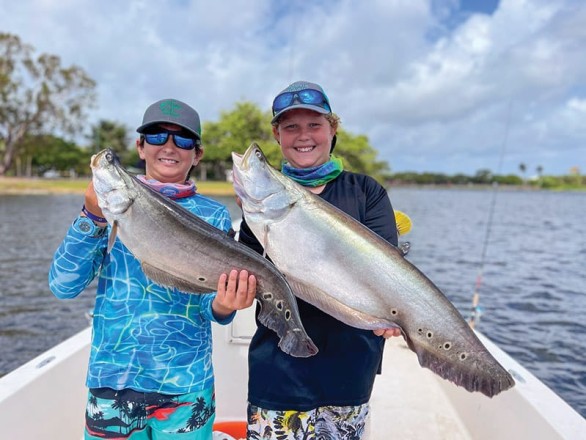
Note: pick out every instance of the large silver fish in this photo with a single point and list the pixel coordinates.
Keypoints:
(178, 249)
(340, 266)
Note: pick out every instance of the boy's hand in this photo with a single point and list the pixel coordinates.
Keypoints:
(388, 332)
(91, 201)
(235, 292)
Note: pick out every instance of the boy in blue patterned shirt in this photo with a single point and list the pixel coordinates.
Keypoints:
(150, 371)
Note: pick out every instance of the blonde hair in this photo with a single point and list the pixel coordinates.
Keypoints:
(334, 120)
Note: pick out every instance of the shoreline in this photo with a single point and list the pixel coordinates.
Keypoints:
(39, 186)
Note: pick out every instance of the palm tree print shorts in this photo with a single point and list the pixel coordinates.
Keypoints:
(128, 414)
(325, 422)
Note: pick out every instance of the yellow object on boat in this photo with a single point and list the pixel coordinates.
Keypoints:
(403, 222)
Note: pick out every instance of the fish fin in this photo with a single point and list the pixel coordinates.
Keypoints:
(166, 279)
(405, 247)
(112, 237)
(275, 315)
(265, 241)
(475, 371)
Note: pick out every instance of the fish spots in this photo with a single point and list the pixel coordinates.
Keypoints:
(426, 333)
(279, 305)
(394, 312)
(202, 279)
(463, 356)
(446, 346)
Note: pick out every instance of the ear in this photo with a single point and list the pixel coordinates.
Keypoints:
(276, 134)
(140, 149)
(198, 155)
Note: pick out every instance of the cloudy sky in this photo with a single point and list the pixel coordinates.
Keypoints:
(437, 85)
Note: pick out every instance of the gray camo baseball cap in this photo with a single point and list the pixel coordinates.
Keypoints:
(171, 111)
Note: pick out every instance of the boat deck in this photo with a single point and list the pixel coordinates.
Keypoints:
(408, 401)
(412, 409)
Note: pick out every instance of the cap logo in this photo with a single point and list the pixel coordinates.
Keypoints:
(170, 108)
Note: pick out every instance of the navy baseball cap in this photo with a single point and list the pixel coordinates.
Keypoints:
(171, 111)
(301, 94)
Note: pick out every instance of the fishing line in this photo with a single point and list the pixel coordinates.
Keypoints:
(476, 309)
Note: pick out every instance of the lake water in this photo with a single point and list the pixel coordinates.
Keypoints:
(532, 292)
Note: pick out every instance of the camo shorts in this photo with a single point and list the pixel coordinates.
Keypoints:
(325, 422)
(128, 414)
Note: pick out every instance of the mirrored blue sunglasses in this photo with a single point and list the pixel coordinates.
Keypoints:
(307, 96)
(161, 136)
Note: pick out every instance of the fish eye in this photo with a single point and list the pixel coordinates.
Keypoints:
(258, 154)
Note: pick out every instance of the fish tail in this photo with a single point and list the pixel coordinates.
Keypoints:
(276, 315)
(297, 344)
(476, 371)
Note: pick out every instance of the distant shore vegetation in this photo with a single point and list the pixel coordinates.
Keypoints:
(46, 134)
(485, 177)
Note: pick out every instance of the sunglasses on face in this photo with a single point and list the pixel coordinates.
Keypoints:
(308, 96)
(161, 136)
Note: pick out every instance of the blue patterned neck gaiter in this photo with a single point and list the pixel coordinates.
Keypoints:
(314, 176)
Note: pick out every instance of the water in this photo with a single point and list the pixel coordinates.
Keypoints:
(533, 288)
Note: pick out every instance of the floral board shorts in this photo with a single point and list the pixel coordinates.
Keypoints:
(128, 414)
(322, 423)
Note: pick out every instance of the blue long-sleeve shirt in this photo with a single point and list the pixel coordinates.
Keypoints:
(145, 337)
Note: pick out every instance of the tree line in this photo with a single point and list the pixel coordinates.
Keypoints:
(42, 104)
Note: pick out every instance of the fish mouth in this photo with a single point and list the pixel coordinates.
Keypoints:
(96, 158)
(238, 185)
(107, 156)
(244, 159)
(237, 159)
(243, 163)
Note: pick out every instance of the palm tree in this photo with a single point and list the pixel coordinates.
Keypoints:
(200, 413)
(93, 402)
(122, 405)
(523, 168)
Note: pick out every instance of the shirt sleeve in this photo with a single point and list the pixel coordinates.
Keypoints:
(245, 236)
(380, 217)
(208, 313)
(76, 263)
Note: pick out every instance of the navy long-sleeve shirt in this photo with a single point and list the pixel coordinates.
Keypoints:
(343, 372)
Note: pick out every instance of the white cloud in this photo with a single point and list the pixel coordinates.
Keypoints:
(430, 95)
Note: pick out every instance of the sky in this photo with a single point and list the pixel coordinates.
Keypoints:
(444, 86)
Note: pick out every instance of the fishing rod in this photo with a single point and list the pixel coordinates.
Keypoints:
(476, 311)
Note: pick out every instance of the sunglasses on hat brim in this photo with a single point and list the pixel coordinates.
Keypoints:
(307, 96)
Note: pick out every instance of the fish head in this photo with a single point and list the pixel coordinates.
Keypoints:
(113, 185)
(261, 188)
